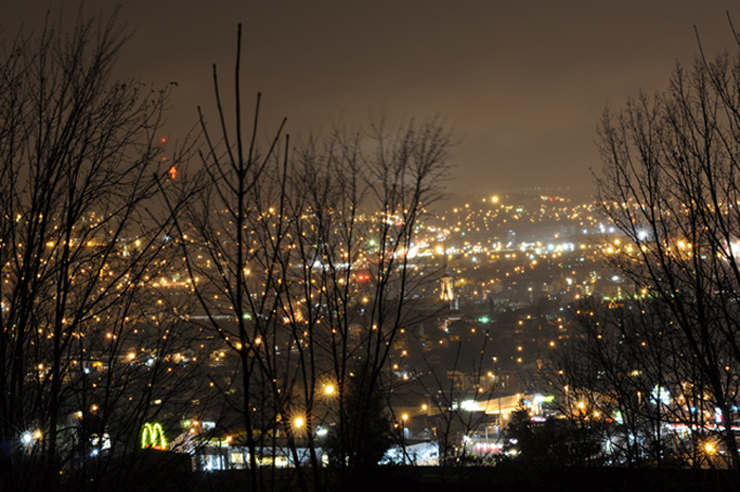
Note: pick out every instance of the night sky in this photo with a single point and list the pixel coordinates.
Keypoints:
(522, 83)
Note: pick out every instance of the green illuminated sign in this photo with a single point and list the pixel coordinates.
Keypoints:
(153, 437)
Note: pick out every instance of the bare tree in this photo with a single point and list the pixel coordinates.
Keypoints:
(81, 249)
(299, 258)
(669, 183)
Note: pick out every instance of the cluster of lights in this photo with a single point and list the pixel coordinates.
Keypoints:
(29, 437)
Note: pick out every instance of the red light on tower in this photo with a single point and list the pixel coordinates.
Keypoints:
(173, 172)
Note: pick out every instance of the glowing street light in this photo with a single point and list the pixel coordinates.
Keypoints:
(298, 423)
(26, 438)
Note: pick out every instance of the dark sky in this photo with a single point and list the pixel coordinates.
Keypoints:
(523, 83)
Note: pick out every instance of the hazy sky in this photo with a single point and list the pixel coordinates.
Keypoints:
(523, 83)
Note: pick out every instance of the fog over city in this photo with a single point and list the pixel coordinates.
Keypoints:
(522, 84)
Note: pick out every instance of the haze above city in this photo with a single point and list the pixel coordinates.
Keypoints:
(522, 84)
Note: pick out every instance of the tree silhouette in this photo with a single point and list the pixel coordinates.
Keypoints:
(81, 245)
(669, 184)
(298, 258)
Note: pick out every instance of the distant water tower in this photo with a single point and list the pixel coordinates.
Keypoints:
(447, 293)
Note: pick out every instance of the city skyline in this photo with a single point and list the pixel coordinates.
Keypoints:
(522, 85)
(305, 316)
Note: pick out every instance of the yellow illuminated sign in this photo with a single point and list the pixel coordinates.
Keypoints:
(153, 437)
